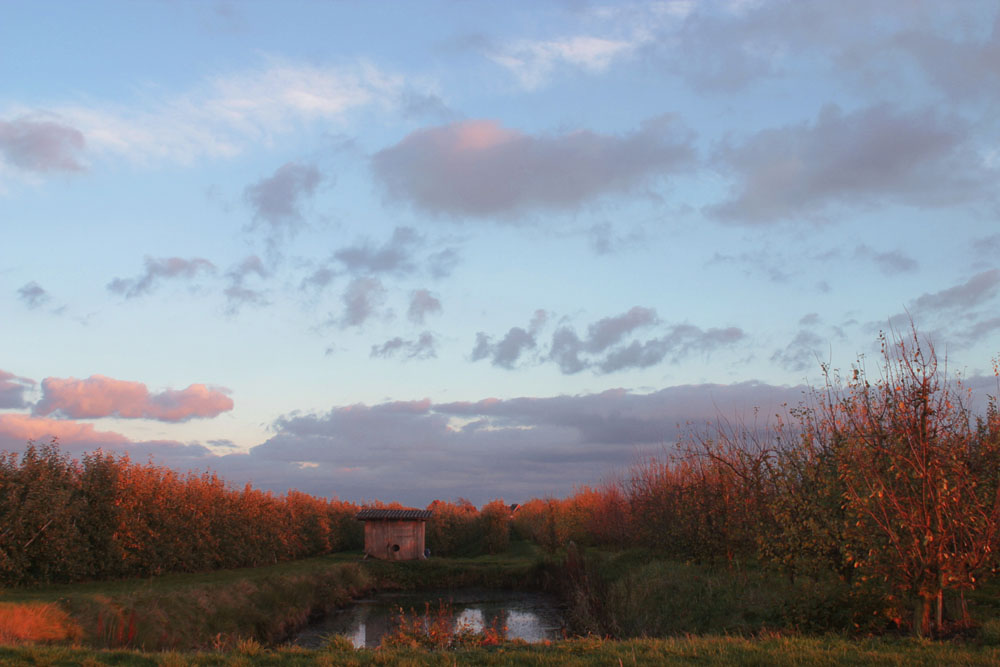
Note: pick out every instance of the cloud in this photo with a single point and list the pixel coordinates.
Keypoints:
(424, 347)
(680, 341)
(361, 298)
(610, 330)
(889, 263)
(532, 62)
(976, 291)
(422, 304)
(12, 390)
(17, 429)
(395, 256)
(225, 114)
(159, 269)
(518, 448)
(443, 262)
(100, 396)
(506, 352)
(33, 295)
(237, 293)
(802, 352)
(875, 155)
(399, 256)
(276, 200)
(40, 145)
(605, 350)
(480, 168)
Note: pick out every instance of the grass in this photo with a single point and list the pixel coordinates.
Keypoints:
(589, 651)
(207, 610)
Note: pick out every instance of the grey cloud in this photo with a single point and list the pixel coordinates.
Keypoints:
(413, 104)
(870, 156)
(509, 349)
(757, 262)
(506, 352)
(395, 256)
(605, 348)
(479, 168)
(422, 304)
(399, 256)
(974, 292)
(680, 341)
(809, 319)
(277, 199)
(156, 270)
(443, 263)
(361, 298)
(32, 294)
(40, 145)
(424, 347)
(515, 448)
(610, 330)
(801, 353)
(12, 390)
(565, 351)
(962, 67)
(237, 293)
(889, 263)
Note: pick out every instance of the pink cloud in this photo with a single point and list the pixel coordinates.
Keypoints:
(21, 428)
(100, 396)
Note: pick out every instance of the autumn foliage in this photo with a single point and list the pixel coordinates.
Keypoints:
(106, 517)
(887, 483)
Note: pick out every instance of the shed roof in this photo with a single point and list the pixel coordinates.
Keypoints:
(393, 515)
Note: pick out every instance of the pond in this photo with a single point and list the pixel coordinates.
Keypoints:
(530, 616)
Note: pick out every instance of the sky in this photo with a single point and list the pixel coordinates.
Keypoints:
(405, 251)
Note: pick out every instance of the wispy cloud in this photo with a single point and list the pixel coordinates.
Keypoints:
(157, 270)
(424, 347)
(227, 113)
(33, 295)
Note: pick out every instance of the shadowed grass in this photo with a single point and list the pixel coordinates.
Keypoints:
(680, 651)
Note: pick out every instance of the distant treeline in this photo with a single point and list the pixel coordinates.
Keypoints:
(887, 483)
(104, 517)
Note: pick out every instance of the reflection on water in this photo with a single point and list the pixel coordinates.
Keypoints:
(529, 616)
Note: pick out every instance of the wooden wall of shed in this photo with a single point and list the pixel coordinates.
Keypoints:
(382, 536)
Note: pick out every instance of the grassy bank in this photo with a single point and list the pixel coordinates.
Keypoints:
(211, 610)
(214, 610)
(680, 651)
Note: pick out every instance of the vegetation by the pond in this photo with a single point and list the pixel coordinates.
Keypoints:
(217, 609)
(764, 650)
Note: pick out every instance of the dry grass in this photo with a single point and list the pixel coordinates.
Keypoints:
(35, 622)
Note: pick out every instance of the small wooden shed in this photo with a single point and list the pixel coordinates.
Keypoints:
(394, 534)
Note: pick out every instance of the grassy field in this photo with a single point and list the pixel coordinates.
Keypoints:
(680, 651)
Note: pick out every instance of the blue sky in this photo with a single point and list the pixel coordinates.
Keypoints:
(409, 251)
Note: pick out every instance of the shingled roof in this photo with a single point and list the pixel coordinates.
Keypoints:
(393, 515)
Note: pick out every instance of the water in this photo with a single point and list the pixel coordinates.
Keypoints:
(533, 617)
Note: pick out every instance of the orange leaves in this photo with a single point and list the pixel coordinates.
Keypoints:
(108, 517)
